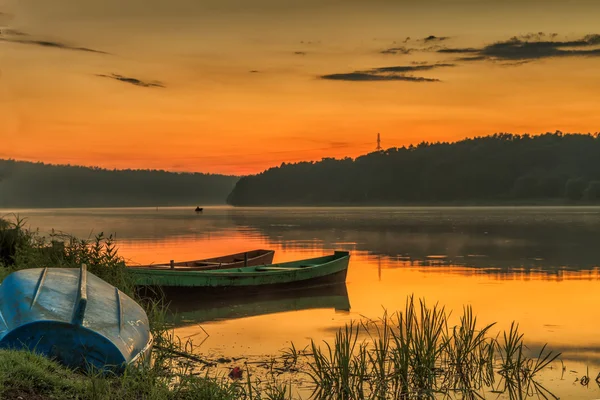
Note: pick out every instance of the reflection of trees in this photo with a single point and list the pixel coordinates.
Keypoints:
(548, 239)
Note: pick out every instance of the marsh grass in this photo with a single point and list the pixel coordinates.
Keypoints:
(417, 354)
(176, 371)
(406, 355)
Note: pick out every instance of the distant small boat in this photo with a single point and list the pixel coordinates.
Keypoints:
(245, 259)
(303, 273)
(199, 209)
(74, 317)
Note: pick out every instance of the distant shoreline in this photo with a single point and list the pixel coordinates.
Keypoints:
(561, 203)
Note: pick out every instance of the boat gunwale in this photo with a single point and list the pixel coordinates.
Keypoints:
(180, 267)
(336, 257)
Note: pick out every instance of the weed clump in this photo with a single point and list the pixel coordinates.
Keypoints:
(418, 354)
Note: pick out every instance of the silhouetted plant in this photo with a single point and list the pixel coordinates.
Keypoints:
(416, 354)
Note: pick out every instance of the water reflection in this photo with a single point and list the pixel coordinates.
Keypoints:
(198, 309)
(536, 266)
(502, 239)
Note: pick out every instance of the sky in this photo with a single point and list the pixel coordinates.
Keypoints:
(237, 86)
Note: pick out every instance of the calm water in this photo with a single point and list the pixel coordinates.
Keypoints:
(536, 266)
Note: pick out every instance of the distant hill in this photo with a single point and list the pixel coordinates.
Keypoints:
(26, 184)
(501, 168)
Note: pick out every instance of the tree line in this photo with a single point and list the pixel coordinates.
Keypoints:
(27, 184)
(504, 167)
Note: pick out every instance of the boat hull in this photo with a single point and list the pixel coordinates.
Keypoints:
(73, 317)
(237, 260)
(300, 274)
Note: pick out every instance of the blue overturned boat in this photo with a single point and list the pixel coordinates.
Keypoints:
(74, 317)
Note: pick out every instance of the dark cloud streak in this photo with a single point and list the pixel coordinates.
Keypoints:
(367, 76)
(12, 32)
(395, 73)
(522, 49)
(412, 68)
(133, 81)
(44, 43)
(433, 38)
(397, 50)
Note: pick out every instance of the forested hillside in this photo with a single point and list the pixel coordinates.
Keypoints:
(498, 168)
(26, 184)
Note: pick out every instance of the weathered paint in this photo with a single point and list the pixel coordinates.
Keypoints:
(296, 272)
(245, 259)
(74, 317)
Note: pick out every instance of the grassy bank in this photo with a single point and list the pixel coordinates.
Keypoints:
(26, 376)
(416, 353)
(175, 373)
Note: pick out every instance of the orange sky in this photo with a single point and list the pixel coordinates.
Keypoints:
(61, 103)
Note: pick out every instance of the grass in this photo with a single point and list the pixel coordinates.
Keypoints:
(176, 371)
(31, 376)
(416, 353)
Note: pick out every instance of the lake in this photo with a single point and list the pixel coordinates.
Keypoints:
(536, 266)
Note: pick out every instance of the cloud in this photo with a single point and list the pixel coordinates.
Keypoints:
(408, 50)
(44, 43)
(522, 48)
(133, 81)
(395, 73)
(367, 76)
(300, 53)
(412, 68)
(12, 32)
(460, 50)
(432, 38)
(398, 50)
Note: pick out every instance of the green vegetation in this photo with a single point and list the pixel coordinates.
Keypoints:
(29, 376)
(26, 184)
(415, 354)
(551, 168)
(175, 373)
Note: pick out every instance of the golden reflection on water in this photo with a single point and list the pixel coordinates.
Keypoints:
(558, 308)
(532, 267)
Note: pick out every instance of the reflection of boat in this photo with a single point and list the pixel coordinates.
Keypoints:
(248, 258)
(302, 273)
(72, 316)
(197, 309)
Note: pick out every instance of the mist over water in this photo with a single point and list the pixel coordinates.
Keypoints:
(536, 266)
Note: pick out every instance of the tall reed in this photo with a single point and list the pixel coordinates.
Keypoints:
(417, 354)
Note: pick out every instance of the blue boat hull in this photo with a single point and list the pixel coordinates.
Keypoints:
(73, 317)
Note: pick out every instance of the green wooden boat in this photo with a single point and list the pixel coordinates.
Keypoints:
(302, 273)
(245, 259)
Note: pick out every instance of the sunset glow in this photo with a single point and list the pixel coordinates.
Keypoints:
(236, 87)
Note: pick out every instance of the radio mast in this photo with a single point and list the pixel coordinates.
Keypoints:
(378, 148)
